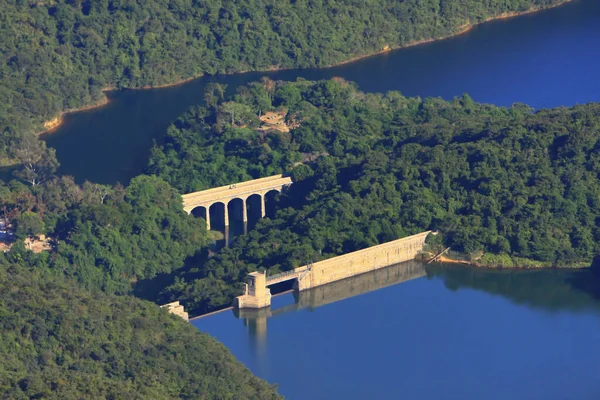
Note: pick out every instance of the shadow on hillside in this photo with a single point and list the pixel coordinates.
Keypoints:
(152, 289)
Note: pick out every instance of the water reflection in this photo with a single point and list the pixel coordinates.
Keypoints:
(458, 333)
(548, 289)
(256, 320)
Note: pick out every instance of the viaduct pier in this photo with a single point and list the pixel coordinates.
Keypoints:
(258, 295)
(240, 192)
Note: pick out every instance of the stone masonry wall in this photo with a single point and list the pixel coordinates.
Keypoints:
(359, 262)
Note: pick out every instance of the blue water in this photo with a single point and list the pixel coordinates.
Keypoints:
(423, 340)
(547, 59)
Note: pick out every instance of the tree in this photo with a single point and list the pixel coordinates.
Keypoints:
(235, 114)
(270, 86)
(29, 224)
(38, 162)
(214, 93)
(96, 193)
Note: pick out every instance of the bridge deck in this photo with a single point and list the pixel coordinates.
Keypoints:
(241, 189)
(284, 276)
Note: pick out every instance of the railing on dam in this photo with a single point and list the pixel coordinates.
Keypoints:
(283, 276)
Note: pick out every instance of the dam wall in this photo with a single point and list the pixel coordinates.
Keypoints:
(361, 261)
(257, 294)
(256, 319)
(360, 284)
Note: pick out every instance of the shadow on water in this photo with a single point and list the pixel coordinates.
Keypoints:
(588, 281)
(549, 289)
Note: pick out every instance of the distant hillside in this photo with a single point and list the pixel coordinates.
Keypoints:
(59, 55)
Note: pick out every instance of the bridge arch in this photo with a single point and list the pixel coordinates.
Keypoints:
(270, 198)
(236, 209)
(255, 204)
(202, 212)
(218, 214)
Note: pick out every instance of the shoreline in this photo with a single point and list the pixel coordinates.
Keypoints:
(51, 125)
(56, 122)
(208, 314)
(462, 29)
(447, 260)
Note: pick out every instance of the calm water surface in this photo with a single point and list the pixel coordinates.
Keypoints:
(454, 333)
(546, 59)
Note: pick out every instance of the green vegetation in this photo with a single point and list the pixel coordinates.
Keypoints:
(62, 342)
(59, 55)
(105, 238)
(504, 181)
(65, 332)
(498, 180)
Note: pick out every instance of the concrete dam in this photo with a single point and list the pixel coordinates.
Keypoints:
(257, 294)
(256, 319)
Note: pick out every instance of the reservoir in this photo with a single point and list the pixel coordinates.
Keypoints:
(419, 331)
(546, 59)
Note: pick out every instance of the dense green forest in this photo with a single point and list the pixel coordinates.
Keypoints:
(104, 237)
(60, 341)
(58, 55)
(505, 181)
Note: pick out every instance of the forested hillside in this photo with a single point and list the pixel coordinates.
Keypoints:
(103, 237)
(60, 54)
(502, 181)
(62, 342)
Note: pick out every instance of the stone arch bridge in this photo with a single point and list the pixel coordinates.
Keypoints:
(238, 191)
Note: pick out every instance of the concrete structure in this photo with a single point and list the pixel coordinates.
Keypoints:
(256, 293)
(242, 191)
(256, 319)
(177, 309)
(333, 269)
